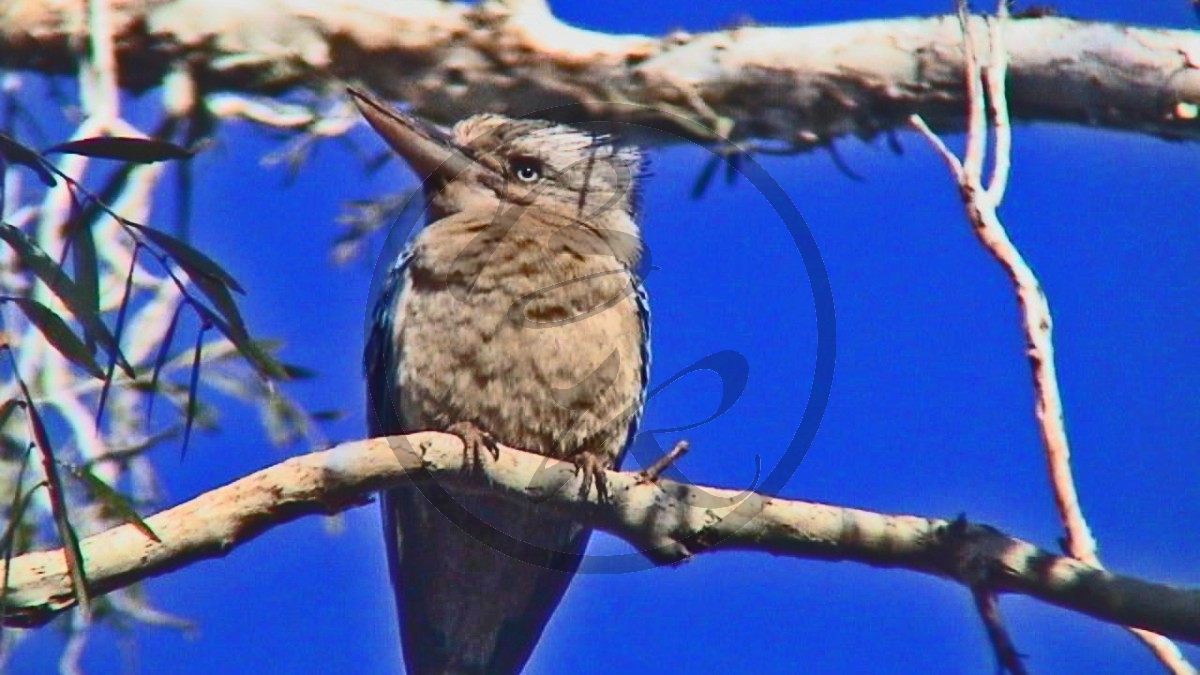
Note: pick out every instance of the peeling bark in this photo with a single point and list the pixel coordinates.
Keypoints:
(798, 87)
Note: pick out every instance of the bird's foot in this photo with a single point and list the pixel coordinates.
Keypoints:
(593, 469)
(475, 441)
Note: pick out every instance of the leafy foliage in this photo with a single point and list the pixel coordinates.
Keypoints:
(89, 314)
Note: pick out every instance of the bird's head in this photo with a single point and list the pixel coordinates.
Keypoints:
(494, 164)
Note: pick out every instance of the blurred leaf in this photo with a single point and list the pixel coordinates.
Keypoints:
(705, 177)
(117, 503)
(254, 353)
(196, 264)
(15, 510)
(232, 383)
(284, 421)
(16, 516)
(137, 150)
(60, 335)
(7, 409)
(328, 415)
(26, 157)
(34, 258)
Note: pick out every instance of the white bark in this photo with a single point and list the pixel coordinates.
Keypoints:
(668, 520)
(800, 87)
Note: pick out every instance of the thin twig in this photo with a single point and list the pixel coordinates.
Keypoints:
(997, 74)
(1007, 656)
(976, 122)
(651, 473)
(952, 161)
(981, 202)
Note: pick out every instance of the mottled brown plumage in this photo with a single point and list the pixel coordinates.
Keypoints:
(516, 311)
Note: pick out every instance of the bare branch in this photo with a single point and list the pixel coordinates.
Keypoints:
(802, 86)
(662, 518)
(981, 203)
(1007, 656)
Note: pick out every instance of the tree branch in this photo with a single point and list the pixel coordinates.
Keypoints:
(668, 521)
(800, 86)
(982, 202)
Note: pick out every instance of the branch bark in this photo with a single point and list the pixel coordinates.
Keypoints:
(988, 71)
(801, 87)
(665, 520)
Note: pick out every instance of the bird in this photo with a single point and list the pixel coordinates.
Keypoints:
(516, 316)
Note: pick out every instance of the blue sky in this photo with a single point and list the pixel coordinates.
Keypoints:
(930, 411)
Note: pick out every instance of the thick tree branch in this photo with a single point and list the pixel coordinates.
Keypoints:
(800, 86)
(668, 520)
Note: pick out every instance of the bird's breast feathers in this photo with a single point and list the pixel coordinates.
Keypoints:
(541, 347)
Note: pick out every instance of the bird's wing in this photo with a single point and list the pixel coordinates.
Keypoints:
(380, 355)
(642, 299)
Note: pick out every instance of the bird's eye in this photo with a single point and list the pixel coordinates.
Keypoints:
(526, 169)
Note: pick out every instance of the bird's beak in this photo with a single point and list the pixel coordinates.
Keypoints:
(431, 152)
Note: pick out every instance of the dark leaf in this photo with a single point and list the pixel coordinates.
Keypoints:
(183, 200)
(86, 266)
(59, 334)
(841, 164)
(121, 311)
(117, 503)
(26, 157)
(58, 504)
(328, 415)
(137, 150)
(705, 177)
(34, 258)
(733, 166)
(200, 126)
(222, 301)
(297, 372)
(190, 413)
(114, 186)
(161, 359)
(195, 263)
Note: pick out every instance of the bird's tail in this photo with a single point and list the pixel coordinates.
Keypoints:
(475, 593)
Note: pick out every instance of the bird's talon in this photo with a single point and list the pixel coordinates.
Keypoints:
(475, 441)
(593, 474)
